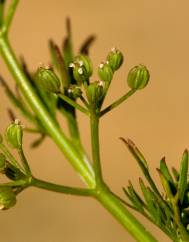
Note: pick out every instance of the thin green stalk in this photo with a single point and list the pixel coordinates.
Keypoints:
(60, 188)
(38, 108)
(118, 102)
(32, 130)
(84, 101)
(15, 183)
(73, 103)
(94, 124)
(24, 161)
(10, 157)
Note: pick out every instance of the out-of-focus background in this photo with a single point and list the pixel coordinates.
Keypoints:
(154, 33)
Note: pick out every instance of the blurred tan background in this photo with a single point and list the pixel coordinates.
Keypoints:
(152, 32)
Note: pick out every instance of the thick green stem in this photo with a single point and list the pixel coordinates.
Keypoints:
(94, 123)
(38, 108)
(123, 216)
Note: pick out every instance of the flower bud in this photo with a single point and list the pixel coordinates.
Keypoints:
(95, 92)
(14, 134)
(138, 77)
(2, 162)
(7, 198)
(82, 69)
(74, 91)
(48, 80)
(115, 59)
(105, 72)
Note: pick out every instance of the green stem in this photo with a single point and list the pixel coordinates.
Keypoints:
(10, 14)
(84, 101)
(24, 161)
(15, 183)
(75, 135)
(73, 103)
(123, 216)
(33, 130)
(61, 189)
(118, 102)
(38, 108)
(94, 124)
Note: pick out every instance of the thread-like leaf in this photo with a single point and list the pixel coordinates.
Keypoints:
(67, 45)
(165, 171)
(182, 183)
(148, 197)
(59, 63)
(175, 174)
(136, 153)
(38, 141)
(142, 163)
(165, 184)
(139, 203)
(84, 49)
(17, 103)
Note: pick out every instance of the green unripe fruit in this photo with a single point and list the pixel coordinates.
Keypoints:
(105, 72)
(80, 74)
(115, 59)
(48, 80)
(74, 91)
(2, 162)
(7, 198)
(14, 134)
(138, 77)
(82, 69)
(95, 92)
(85, 63)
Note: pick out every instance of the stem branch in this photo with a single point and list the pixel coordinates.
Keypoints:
(117, 102)
(38, 108)
(73, 103)
(60, 188)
